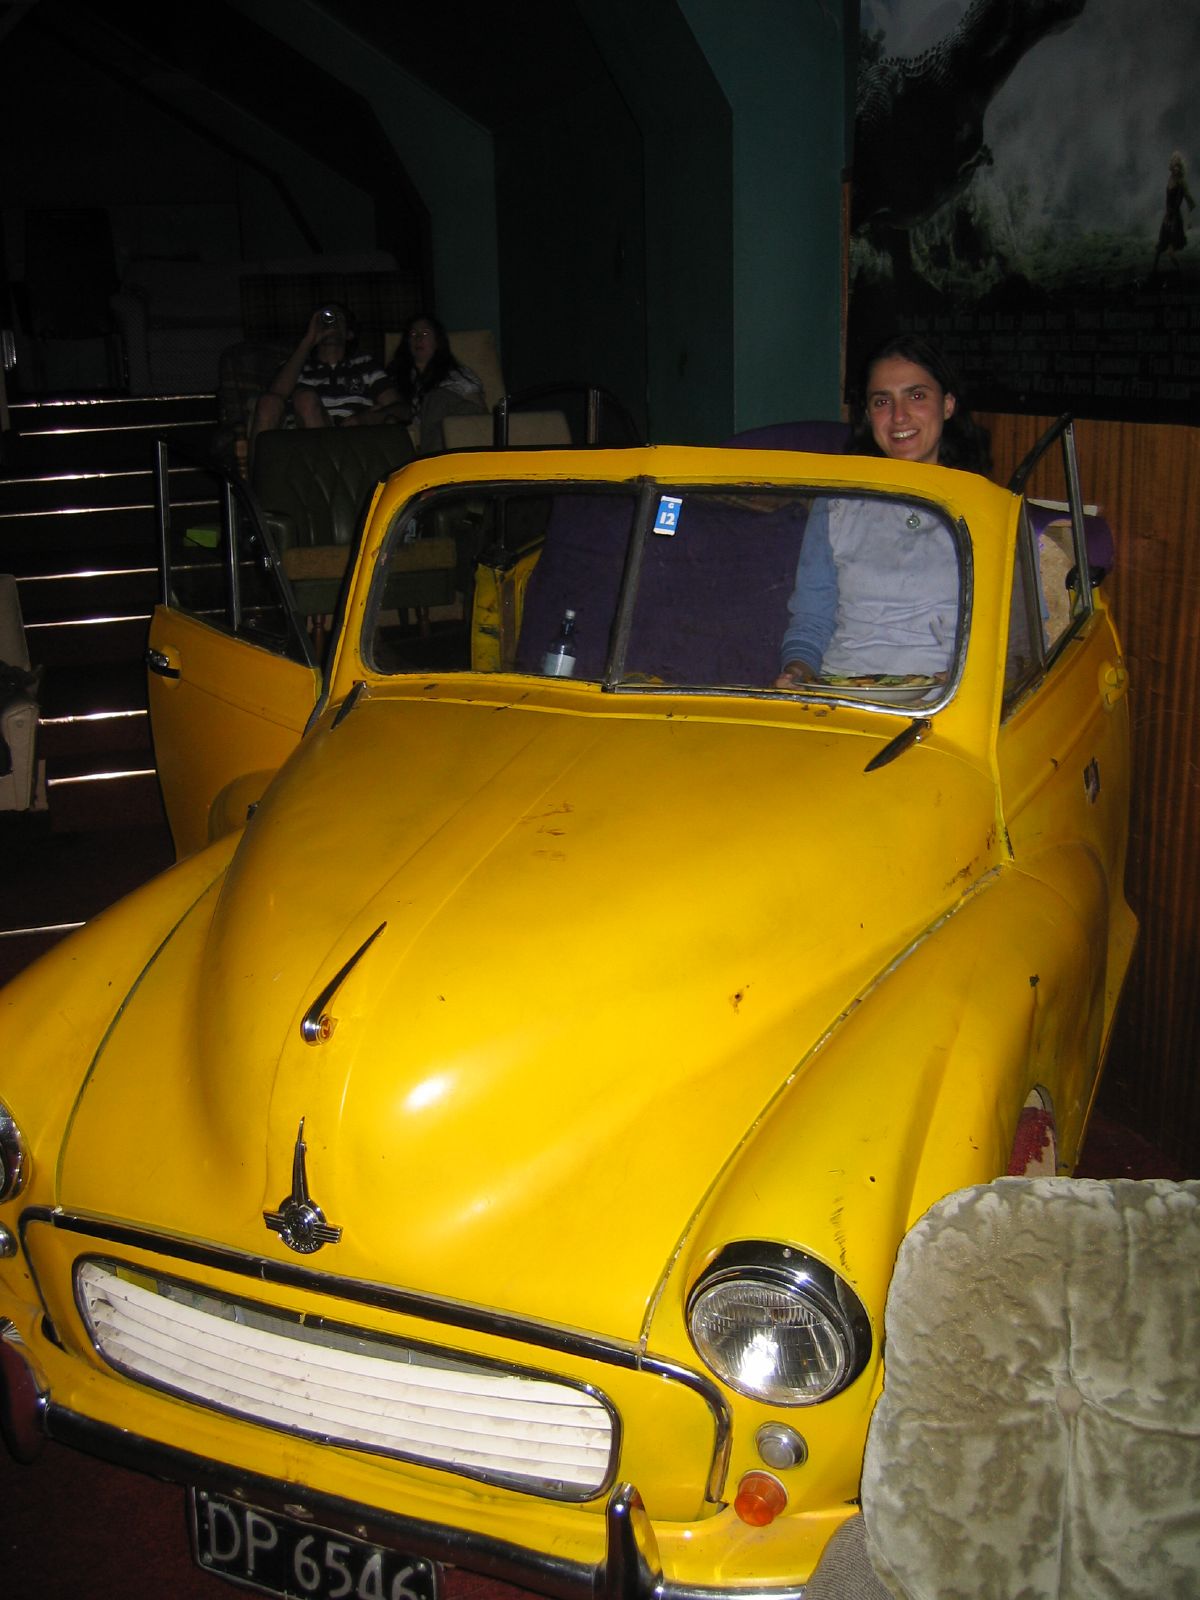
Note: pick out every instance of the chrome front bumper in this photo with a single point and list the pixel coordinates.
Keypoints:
(631, 1569)
(22, 1400)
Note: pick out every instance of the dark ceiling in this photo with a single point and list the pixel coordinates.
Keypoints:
(218, 46)
(498, 64)
(493, 61)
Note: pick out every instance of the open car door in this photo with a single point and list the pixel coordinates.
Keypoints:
(1063, 742)
(233, 676)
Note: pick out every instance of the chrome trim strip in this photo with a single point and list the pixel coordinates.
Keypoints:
(44, 927)
(412, 1303)
(162, 518)
(696, 1591)
(93, 475)
(88, 622)
(101, 777)
(47, 512)
(631, 1564)
(106, 402)
(115, 427)
(316, 1025)
(80, 717)
(86, 572)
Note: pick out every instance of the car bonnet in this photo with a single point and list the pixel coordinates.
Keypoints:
(563, 963)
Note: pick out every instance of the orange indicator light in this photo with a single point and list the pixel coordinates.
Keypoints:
(760, 1499)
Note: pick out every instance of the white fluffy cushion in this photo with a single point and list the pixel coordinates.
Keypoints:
(1039, 1429)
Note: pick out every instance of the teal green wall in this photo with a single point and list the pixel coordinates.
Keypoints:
(616, 228)
(572, 252)
(684, 188)
(780, 64)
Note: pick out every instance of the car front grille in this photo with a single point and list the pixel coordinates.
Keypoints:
(349, 1388)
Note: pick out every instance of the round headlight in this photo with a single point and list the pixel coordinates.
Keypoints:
(778, 1326)
(12, 1156)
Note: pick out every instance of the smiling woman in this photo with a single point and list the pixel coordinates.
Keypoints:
(874, 593)
(907, 411)
(912, 407)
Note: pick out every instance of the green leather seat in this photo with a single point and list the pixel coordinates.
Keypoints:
(313, 487)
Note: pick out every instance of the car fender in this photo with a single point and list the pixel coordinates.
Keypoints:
(916, 1089)
(913, 1092)
(55, 1014)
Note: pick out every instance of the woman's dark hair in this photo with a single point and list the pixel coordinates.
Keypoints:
(414, 385)
(963, 444)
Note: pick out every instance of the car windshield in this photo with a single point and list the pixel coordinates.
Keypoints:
(675, 587)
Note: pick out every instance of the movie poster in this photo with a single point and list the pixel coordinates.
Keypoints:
(1026, 176)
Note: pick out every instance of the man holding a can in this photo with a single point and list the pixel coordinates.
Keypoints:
(327, 382)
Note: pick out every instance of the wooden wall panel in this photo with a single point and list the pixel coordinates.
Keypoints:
(1147, 480)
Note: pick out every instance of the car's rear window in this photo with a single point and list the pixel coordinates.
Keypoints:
(677, 587)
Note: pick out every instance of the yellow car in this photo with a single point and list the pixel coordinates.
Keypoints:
(490, 1143)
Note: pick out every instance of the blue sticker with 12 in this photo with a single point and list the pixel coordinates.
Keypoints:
(667, 520)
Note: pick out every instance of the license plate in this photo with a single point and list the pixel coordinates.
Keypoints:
(278, 1556)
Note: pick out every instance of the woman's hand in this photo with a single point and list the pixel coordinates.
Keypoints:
(794, 674)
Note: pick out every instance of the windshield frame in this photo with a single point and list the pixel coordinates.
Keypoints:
(645, 488)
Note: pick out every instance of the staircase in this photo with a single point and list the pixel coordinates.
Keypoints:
(77, 530)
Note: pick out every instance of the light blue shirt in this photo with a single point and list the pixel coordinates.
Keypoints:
(876, 590)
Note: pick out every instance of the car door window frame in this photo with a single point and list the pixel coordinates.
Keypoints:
(1028, 603)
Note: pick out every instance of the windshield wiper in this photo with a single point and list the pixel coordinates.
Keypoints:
(904, 740)
(349, 703)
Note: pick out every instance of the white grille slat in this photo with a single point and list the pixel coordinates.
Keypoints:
(528, 1431)
(549, 1408)
(317, 1408)
(461, 1457)
(347, 1361)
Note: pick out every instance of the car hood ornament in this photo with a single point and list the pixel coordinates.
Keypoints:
(300, 1222)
